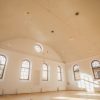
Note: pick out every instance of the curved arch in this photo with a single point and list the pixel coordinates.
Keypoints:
(76, 72)
(45, 72)
(95, 64)
(25, 70)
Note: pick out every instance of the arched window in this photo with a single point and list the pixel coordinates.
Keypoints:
(96, 68)
(25, 70)
(59, 73)
(76, 72)
(45, 72)
(3, 61)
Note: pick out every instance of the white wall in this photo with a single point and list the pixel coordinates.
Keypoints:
(11, 84)
(85, 67)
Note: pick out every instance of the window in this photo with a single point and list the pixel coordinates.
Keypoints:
(38, 48)
(45, 72)
(25, 70)
(2, 65)
(96, 68)
(76, 72)
(59, 73)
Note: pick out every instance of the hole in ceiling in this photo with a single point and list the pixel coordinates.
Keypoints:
(77, 13)
(52, 31)
(27, 12)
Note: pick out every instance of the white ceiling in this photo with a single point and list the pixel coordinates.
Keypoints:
(74, 37)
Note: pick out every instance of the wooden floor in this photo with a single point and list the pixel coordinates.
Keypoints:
(63, 95)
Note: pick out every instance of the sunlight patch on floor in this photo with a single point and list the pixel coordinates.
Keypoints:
(67, 95)
(70, 98)
(90, 94)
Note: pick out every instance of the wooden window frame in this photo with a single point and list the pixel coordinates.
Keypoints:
(76, 72)
(45, 71)
(60, 72)
(26, 68)
(94, 70)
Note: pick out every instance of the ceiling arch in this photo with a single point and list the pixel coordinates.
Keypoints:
(74, 36)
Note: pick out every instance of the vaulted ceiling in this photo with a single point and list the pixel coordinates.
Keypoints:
(70, 27)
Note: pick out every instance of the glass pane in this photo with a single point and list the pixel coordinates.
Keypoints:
(26, 64)
(2, 60)
(26, 70)
(45, 67)
(22, 69)
(45, 75)
(24, 73)
(95, 64)
(58, 69)
(1, 67)
(76, 67)
(59, 77)
(97, 74)
(24, 76)
(77, 75)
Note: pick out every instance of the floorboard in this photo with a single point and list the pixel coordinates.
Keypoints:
(62, 95)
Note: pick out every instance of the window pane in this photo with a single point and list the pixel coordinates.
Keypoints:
(96, 68)
(2, 60)
(26, 77)
(76, 67)
(76, 72)
(77, 75)
(45, 75)
(59, 73)
(24, 74)
(95, 64)
(2, 65)
(58, 69)
(45, 67)
(45, 72)
(97, 74)
(59, 77)
(26, 64)
(25, 69)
